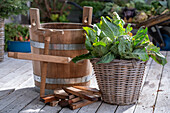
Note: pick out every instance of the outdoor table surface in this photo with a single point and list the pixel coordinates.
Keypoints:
(17, 93)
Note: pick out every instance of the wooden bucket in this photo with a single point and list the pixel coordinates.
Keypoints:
(66, 40)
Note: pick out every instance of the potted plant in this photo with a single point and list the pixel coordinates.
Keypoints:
(8, 8)
(17, 38)
(119, 58)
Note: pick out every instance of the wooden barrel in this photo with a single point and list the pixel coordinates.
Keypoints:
(66, 40)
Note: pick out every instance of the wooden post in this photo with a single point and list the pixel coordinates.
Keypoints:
(35, 18)
(87, 15)
(44, 67)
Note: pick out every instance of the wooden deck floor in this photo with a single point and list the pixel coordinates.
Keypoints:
(17, 92)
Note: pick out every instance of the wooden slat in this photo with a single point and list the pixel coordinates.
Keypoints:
(48, 98)
(80, 104)
(91, 108)
(67, 110)
(107, 108)
(86, 88)
(148, 94)
(34, 107)
(155, 20)
(82, 94)
(49, 109)
(38, 57)
(4, 93)
(61, 94)
(22, 97)
(163, 99)
(11, 67)
(125, 109)
(14, 79)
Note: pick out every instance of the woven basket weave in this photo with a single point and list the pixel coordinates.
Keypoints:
(119, 81)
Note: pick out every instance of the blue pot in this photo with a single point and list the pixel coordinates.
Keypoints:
(17, 46)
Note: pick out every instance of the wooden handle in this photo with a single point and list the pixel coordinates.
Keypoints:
(87, 15)
(35, 18)
(38, 57)
(44, 67)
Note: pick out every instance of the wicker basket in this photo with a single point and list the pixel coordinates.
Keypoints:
(119, 81)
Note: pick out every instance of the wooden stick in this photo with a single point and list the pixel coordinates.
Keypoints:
(54, 103)
(80, 104)
(86, 88)
(81, 93)
(63, 103)
(44, 67)
(71, 96)
(87, 15)
(61, 94)
(48, 98)
(39, 57)
(70, 101)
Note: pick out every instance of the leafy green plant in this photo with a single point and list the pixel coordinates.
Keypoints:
(16, 32)
(109, 40)
(12, 7)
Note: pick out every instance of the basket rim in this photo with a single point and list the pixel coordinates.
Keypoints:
(120, 60)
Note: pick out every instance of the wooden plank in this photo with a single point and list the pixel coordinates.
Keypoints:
(61, 94)
(80, 104)
(149, 91)
(82, 94)
(18, 72)
(18, 80)
(155, 20)
(91, 108)
(54, 103)
(86, 88)
(20, 102)
(49, 109)
(67, 110)
(12, 66)
(34, 107)
(28, 83)
(48, 98)
(125, 109)
(107, 108)
(4, 93)
(163, 99)
(39, 57)
(12, 97)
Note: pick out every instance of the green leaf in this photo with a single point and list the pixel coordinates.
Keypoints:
(101, 49)
(97, 29)
(91, 34)
(99, 43)
(81, 57)
(124, 46)
(106, 58)
(140, 37)
(158, 57)
(109, 28)
(141, 54)
(129, 28)
(88, 44)
(154, 53)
